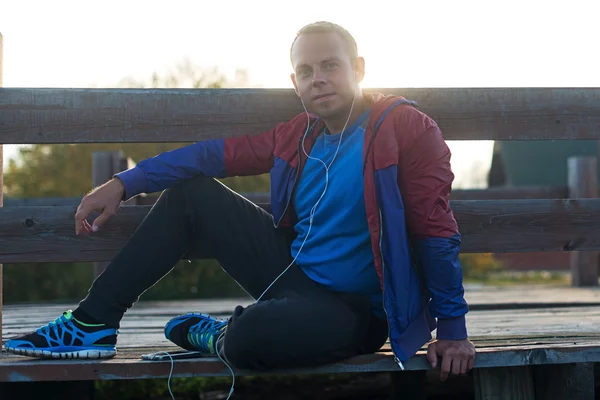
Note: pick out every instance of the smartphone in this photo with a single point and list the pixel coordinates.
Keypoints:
(176, 355)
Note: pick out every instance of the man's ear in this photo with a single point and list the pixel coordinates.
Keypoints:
(359, 69)
(293, 78)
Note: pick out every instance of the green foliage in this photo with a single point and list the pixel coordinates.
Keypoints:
(479, 266)
(39, 283)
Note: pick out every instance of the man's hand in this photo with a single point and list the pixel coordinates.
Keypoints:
(458, 356)
(105, 199)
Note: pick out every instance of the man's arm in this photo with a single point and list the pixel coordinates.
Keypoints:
(425, 180)
(246, 155)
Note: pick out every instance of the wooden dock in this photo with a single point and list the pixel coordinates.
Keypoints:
(509, 325)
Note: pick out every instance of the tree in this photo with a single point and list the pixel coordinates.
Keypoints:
(65, 170)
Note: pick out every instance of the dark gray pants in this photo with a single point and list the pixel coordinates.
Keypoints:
(297, 323)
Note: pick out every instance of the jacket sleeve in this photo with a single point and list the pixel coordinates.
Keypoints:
(425, 181)
(245, 155)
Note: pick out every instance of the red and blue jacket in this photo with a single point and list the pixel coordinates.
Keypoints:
(407, 183)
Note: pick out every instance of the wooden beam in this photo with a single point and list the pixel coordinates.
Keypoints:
(104, 165)
(41, 201)
(128, 364)
(46, 234)
(496, 193)
(504, 193)
(564, 381)
(508, 193)
(1, 184)
(45, 115)
(583, 184)
(504, 383)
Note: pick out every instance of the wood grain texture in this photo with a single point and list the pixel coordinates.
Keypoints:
(564, 382)
(188, 115)
(1, 184)
(143, 325)
(46, 234)
(511, 193)
(496, 193)
(515, 383)
(503, 338)
(128, 364)
(582, 184)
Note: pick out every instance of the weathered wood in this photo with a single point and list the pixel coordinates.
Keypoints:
(184, 115)
(564, 382)
(46, 234)
(259, 198)
(143, 325)
(408, 385)
(509, 193)
(497, 193)
(127, 364)
(41, 201)
(502, 338)
(104, 165)
(1, 187)
(1, 60)
(504, 383)
(582, 183)
(530, 296)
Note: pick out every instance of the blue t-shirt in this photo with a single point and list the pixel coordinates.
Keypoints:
(337, 253)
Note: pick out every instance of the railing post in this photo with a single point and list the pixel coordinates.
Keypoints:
(1, 200)
(583, 183)
(104, 165)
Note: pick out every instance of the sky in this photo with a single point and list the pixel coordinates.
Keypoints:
(427, 44)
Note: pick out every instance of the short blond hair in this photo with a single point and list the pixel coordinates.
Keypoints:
(329, 27)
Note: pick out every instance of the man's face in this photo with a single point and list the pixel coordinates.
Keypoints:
(324, 75)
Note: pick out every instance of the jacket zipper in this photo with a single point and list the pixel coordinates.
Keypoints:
(396, 359)
(289, 200)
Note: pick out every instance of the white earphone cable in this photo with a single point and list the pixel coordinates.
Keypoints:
(312, 213)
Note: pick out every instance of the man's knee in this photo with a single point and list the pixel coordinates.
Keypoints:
(199, 193)
(241, 350)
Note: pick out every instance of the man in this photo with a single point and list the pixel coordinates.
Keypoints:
(361, 244)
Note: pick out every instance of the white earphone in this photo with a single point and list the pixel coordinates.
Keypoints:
(312, 213)
(314, 208)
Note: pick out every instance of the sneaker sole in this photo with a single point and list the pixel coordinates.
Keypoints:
(82, 354)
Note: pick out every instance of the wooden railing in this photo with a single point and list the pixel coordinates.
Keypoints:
(495, 220)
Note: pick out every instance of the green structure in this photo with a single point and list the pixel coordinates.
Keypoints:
(536, 163)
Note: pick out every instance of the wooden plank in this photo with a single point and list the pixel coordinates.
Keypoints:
(408, 385)
(484, 297)
(260, 198)
(1, 186)
(42, 201)
(46, 115)
(509, 193)
(105, 164)
(535, 303)
(46, 234)
(503, 338)
(582, 183)
(514, 383)
(496, 193)
(564, 381)
(128, 365)
(143, 325)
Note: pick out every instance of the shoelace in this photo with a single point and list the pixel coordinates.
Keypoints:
(57, 322)
(204, 333)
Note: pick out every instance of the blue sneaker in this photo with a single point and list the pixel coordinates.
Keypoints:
(66, 337)
(195, 332)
